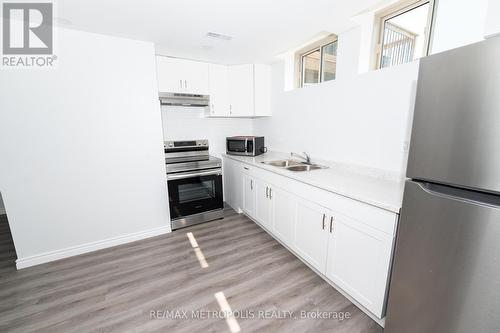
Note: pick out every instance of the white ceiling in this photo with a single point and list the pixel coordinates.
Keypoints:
(260, 29)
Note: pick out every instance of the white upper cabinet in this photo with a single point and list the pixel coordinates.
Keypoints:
(170, 74)
(182, 76)
(262, 90)
(218, 90)
(235, 91)
(249, 90)
(196, 81)
(241, 91)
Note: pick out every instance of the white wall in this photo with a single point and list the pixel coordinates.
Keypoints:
(348, 52)
(187, 123)
(458, 23)
(492, 27)
(81, 147)
(362, 120)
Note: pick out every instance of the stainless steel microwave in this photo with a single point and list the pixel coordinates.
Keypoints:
(245, 145)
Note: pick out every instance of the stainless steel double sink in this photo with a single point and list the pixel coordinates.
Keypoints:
(293, 165)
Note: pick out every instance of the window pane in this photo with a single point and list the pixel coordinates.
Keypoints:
(310, 68)
(329, 66)
(405, 36)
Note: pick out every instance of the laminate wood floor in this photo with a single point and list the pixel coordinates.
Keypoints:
(138, 287)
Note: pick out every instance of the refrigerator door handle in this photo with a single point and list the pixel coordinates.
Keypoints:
(464, 195)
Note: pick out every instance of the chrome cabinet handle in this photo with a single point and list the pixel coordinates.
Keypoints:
(180, 83)
(267, 192)
(245, 168)
(270, 193)
(185, 84)
(251, 184)
(331, 224)
(324, 216)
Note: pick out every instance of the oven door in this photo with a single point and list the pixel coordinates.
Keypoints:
(194, 192)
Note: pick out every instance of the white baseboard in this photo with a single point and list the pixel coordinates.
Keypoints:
(89, 247)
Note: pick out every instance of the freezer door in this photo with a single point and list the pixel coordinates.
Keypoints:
(447, 262)
(456, 127)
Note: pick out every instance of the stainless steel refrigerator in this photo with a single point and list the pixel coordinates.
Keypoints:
(446, 270)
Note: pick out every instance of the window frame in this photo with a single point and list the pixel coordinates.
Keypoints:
(396, 10)
(321, 72)
(317, 46)
(303, 69)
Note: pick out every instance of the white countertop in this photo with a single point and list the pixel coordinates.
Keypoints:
(374, 187)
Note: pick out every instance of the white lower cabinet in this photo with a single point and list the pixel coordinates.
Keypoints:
(359, 260)
(232, 182)
(353, 253)
(263, 204)
(248, 202)
(284, 214)
(311, 234)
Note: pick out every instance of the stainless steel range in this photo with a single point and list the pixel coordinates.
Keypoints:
(194, 183)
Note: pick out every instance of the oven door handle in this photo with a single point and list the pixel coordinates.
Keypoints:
(193, 174)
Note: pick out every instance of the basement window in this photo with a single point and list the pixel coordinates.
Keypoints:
(317, 62)
(404, 33)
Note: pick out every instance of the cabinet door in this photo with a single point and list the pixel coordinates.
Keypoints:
(248, 195)
(311, 234)
(170, 72)
(262, 88)
(241, 90)
(232, 183)
(196, 77)
(359, 260)
(218, 90)
(263, 204)
(284, 211)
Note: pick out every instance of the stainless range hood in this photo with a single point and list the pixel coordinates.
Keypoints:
(179, 99)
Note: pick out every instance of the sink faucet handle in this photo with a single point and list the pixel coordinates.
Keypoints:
(308, 158)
